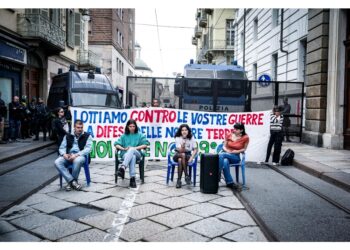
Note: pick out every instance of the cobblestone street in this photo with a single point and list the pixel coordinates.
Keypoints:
(153, 212)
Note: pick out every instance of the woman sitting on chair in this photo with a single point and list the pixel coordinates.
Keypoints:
(235, 143)
(130, 144)
(186, 150)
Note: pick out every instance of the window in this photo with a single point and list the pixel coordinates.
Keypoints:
(70, 28)
(255, 76)
(275, 17)
(274, 66)
(255, 71)
(230, 33)
(302, 60)
(255, 30)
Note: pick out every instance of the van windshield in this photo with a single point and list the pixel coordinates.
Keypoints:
(95, 99)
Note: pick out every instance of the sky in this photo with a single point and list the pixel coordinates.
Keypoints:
(174, 47)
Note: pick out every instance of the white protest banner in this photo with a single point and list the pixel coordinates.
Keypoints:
(159, 125)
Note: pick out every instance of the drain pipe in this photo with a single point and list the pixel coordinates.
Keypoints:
(244, 27)
(284, 51)
(281, 33)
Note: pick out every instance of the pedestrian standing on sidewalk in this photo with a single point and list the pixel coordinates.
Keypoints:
(286, 120)
(186, 150)
(235, 143)
(3, 113)
(73, 149)
(40, 116)
(15, 112)
(276, 136)
(60, 126)
(130, 144)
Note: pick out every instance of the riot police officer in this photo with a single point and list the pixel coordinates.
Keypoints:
(40, 117)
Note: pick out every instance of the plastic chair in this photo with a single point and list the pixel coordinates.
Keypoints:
(86, 170)
(141, 163)
(172, 164)
(235, 165)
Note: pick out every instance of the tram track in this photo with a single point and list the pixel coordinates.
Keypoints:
(264, 222)
(25, 175)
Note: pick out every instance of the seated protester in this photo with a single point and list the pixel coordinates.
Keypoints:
(130, 144)
(276, 135)
(235, 143)
(60, 125)
(186, 150)
(73, 149)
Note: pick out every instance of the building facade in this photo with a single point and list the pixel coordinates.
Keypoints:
(34, 44)
(214, 36)
(112, 37)
(306, 45)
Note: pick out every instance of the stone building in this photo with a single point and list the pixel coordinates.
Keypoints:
(112, 37)
(34, 44)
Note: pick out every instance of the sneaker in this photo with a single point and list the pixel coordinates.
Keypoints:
(121, 172)
(68, 187)
(76, 185)
(188, 180)
(132, 182)
(178, 183)
(274, 163)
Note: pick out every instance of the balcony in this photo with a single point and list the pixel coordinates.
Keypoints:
(208, 11)
(197, 32)
(203, 21)
(221, 45)
(38, 29)
(88, 59)
(194, 41)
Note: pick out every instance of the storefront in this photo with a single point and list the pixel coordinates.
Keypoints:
(12, 59)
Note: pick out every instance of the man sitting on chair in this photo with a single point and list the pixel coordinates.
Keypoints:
(73, 149)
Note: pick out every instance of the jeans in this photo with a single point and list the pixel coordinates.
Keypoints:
(61, 164)
(276, 140)
(130, 158)
(14, 129)
(225, 159)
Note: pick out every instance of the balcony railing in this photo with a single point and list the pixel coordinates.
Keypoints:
(88, 58)
(203, 21)
(194, 41)
(37, 26)
(220, 45)
(197, 32)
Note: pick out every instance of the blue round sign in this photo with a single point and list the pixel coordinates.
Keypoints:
(264, 80)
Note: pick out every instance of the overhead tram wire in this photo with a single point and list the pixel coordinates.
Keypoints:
(160, 48)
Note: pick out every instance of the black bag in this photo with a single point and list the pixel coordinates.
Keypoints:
(287, 158)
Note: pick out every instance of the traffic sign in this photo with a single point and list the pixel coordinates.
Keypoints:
(264, 80)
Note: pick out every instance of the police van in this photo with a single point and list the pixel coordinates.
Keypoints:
(79, 89)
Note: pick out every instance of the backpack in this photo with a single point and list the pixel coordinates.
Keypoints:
(287, 158)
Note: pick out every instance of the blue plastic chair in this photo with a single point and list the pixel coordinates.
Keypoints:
(86, 170)
(172, 164)
(238, 165)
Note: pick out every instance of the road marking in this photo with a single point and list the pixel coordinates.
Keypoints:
(123, 214)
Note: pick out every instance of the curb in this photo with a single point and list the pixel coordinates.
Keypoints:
(25, 151)
(324, 172)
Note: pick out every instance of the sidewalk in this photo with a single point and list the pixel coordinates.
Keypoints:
(330, 165)
(12, 150)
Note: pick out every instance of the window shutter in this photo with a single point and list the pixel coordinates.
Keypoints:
(77, 29)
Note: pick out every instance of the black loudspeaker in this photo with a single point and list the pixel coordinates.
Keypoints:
(209, 173)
